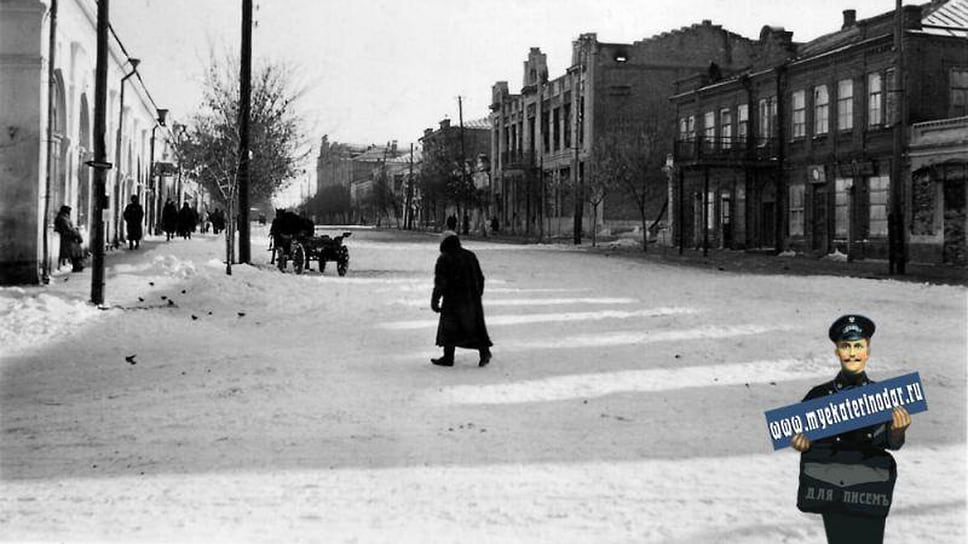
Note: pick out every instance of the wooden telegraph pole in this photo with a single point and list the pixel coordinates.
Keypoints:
(245, 99)
(100, 163)
(895, 226)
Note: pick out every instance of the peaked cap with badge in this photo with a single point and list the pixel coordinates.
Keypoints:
(851, 327)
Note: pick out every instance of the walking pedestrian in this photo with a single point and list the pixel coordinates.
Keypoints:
(458, 287)
(186, 221)
(133, 215)
(451, 227)
(169, 219)
(71, 249)
(849, 478)
(218, 221)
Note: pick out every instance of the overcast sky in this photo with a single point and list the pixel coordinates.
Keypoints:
(381, 70)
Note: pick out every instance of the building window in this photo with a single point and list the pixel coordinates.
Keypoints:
(875, 95)
(691, 128)
(710, 210)
(580, 121)
(709, 129)
(799, 114)
(566, 122)
(821, 111)
(845, 104)
(545, 131)
(959, 92)
(796, 210)
(742, 122)
(683, 129)
(878, 188)
(773, 127)
(764, 120)
(841, 203)
(726, 127)
(767, 119)
(556, 131)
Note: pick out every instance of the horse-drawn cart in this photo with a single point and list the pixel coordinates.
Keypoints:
(303, 248)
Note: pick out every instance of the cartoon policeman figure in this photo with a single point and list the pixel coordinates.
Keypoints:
(849, 478)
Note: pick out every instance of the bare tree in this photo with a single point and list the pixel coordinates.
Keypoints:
(209, 153)
(608, 167)
(631, 157)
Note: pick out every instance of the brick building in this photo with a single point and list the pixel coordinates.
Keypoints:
(544, 137)
(335, 165)
(798, 154)
(442, 152)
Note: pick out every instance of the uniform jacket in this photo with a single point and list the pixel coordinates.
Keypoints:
(851, 472)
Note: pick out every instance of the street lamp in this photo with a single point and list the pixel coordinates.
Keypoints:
(178, 133)
(117, 152)
(155, 192)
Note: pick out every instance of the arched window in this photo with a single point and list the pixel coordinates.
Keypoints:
(57, 151)
(84, 154)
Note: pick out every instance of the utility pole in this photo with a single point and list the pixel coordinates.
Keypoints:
(408, 219)
(579, 182)
(100, 163)
(463, 157)
(897, 249)
(245, 99)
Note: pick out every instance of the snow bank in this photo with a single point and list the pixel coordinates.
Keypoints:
(836, 256)
(31, 317)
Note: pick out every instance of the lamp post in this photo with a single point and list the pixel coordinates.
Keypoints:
(155, 207)
(116, 205)
(178, 131)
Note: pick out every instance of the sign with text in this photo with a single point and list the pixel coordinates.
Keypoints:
(846, 411)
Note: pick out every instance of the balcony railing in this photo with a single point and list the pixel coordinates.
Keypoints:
(738, 150)
(511, 160)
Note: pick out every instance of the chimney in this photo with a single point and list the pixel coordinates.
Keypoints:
(445, 124)
(850, 18)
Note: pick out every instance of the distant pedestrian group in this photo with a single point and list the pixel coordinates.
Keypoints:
(178, 222)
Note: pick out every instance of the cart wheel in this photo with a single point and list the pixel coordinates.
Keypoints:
(343, 263)
(322, 264)
(298, 257)
(281, 259)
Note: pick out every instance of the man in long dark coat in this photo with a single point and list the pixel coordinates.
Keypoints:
(186, 221)
(133, 214)
(458, 280)
(169, 219)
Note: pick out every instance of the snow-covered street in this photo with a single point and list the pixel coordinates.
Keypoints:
(624, 402)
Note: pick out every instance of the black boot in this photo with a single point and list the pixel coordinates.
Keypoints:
(447, 359)
(485, 357)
